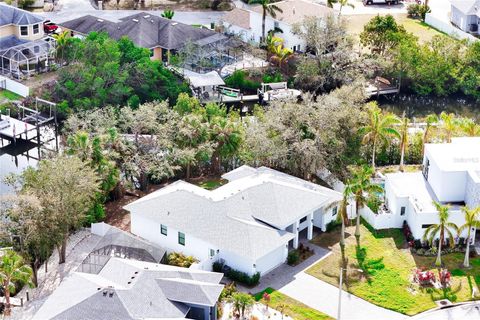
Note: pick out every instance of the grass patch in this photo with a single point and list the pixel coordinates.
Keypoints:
(293, 308)
(210, 183)
(388, 265)
(9, 95)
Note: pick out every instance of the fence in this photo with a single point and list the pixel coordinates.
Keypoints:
(448, 28)
(14, 86)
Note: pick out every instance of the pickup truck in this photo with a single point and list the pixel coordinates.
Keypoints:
(49, 26)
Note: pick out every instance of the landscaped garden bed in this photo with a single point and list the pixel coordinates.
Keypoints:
(389, 269)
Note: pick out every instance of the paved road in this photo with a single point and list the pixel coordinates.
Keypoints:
(72, 9)
(463, 311)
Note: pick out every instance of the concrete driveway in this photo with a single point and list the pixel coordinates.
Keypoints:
(319, 295)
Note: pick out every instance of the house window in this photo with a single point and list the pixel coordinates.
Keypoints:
(36, 29)
(181, 238)
(425, 226)
(334, 211)
(152, 52)
(303, 219)
(163, 229)
(212, 253)
(24, 30)
(402, 211)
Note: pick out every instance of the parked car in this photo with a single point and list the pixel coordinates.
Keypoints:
(49, 26)
(368, 2)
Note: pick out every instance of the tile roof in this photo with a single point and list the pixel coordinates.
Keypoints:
(12, 15)
(145, 30)
(238, 17)
(238, 216)
(156, 291)
(296, 10)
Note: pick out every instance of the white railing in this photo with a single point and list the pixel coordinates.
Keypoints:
(14, 86)
(448, 28)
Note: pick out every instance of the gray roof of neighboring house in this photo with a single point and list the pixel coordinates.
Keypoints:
(12, 15)
(145, 30)
(141, 290)
(468, 7)
(238, 216)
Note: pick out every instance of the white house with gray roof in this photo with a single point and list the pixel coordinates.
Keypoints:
(249, 223)
(450, 176)
(466, 15)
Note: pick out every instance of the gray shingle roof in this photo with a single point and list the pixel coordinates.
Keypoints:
(12, 15)
(229, 216)
(144, 30)
(468, 7)
(156, 291)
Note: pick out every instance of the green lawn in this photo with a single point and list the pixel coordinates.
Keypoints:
(293, 308)
(210, 183)
(391, 287)
(8, 95)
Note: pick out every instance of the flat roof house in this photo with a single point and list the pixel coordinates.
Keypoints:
(248, 23)
(450, 175)
(132, 285)
(158, 34)
(465, 15)
(24, 47)
(249, 223)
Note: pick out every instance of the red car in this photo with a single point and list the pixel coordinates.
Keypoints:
(49, 26)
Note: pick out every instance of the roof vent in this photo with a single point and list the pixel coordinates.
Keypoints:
(110, 294)
(174, 24)
(100, 20)
(147, 16)
(135, 20)
(129, 282)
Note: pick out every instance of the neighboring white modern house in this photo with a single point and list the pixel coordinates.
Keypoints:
(248, 23)
(466, 15)
(451, 175)
(249, 223)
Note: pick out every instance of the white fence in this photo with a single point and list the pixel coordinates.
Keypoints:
(378, 221)
(14, 86)
(448, 28)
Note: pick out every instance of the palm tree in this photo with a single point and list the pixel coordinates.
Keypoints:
(449, 124)
(168, 14)
(281, 55)
(469, 127)
(403, 140)
(360, 186)
(331, 2)
(440, 229)
(472, 220)
(269, 8)
(430, 120)
(12, 269)
(343, 216)
(343, 3)
(272, 42)
(379, 128)
(62, 41)
(242, 302)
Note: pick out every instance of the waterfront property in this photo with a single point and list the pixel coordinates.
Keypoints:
(24, 47)
(248, 23)
(450, 175)
(162, 36)
(466, 15)
(248, 223)
(122, 278)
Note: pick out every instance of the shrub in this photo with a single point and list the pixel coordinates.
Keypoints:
(217, 266)
(417, 11)
(243, 277)
(332, 225)
(180, 260)
(293, 257)
(239, 80)
(417, 244)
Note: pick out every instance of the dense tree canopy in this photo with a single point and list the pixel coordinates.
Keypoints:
(104, 71)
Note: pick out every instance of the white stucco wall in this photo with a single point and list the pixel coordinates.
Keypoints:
(272, 260)
(449, 186)
(472, 190)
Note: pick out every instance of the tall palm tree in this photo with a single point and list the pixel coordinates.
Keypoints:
(431, 119)
(268, 8)
(12, 269)
(379, 129)
(442, 228)
(343, 216)
(360, 186)
(168, 14)
(472, 220)
(449, 124)
(62, 41)
(469, 127)
(403, 140)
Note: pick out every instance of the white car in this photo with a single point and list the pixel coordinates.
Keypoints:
(368, 2)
